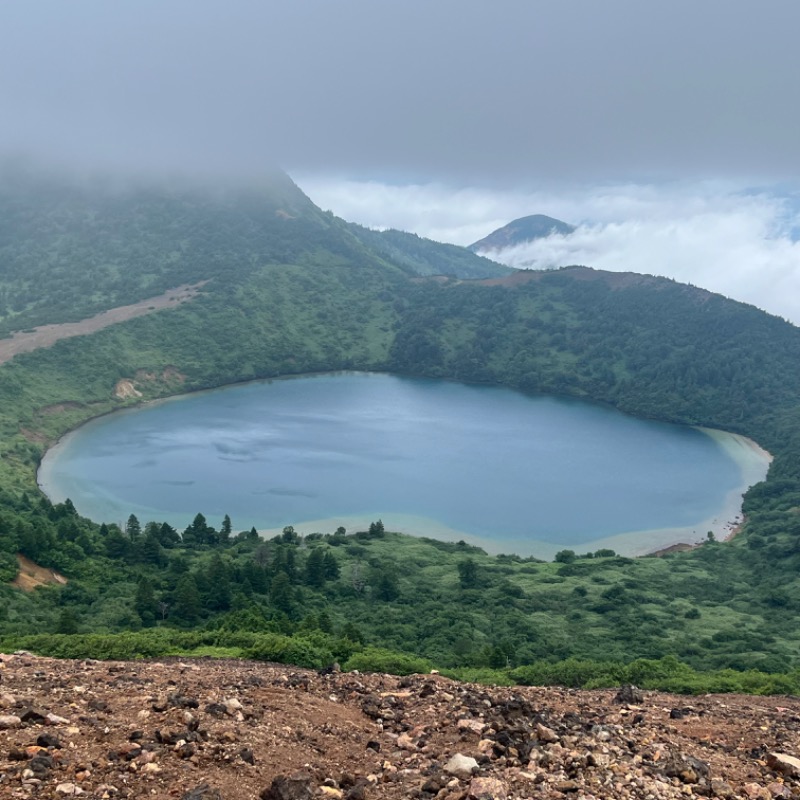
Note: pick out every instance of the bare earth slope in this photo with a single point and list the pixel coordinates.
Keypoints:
(31, 576)
(47, 335)
(211, 730)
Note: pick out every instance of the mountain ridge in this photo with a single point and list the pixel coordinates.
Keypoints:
(427, 257)
(288, 296)
(522, 230)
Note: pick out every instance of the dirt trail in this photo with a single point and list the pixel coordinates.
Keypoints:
(48, 335)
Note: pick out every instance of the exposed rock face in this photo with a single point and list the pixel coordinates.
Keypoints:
(228, 730)
(629, 695)
(126, 389)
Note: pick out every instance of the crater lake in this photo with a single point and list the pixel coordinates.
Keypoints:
(512, 473)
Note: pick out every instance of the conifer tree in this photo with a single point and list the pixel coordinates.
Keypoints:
(145, 602)
(331, 566)
(218, 594)
(225, 530)
(280, 593)
(187, 606)
(132, 528)
(315, 568)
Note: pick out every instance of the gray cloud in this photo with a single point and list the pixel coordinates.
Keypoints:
(463, 91)
(643, 121)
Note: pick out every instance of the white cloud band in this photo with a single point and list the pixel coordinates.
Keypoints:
(719, 236)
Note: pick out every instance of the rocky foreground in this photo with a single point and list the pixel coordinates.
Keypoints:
(228, 730)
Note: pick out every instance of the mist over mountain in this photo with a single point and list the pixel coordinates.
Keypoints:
(521, 231)
(666, 131)
(427, 257)
(283, 288)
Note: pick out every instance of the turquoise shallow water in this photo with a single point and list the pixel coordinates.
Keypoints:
(488, 463)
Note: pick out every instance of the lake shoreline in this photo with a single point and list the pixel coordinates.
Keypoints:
(748, 456)
(727, 523)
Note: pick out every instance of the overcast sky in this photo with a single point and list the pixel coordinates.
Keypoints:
(430, 112)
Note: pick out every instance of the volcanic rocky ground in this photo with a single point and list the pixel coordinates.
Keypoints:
(233, 730)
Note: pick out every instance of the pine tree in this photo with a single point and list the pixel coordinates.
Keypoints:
(86, 544)
(117, 546)
(145, 602)
(67, 621)
(187, 606)
(325, 622)
(257, 576)
(152, 552)
(286, 562)
(315, 568)
(132, 528)
(386, 587)
(198, 533)
(467, 573)
(331, 566)
(168, 536)
(280, 593)
(218, 595)
(225, 530)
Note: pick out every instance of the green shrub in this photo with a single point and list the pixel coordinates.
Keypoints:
(375, 659)
(565, 556)
(488, 677)
(571, 672)
(298, 650)
(105, 647)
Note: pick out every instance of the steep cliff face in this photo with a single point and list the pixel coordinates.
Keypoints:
(230, 730)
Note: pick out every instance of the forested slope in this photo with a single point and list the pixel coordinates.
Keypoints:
(647, 345)
(296, 291)
(69, 249)
(427, 257)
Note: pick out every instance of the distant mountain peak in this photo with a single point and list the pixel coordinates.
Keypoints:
(519, 231)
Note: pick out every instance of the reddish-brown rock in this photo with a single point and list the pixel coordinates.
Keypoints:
(234, 730)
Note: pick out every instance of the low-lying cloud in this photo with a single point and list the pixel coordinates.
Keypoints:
(729, 239)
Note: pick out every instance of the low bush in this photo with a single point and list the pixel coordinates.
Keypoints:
(375, 659)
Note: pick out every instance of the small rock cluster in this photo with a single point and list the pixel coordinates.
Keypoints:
(233, 730)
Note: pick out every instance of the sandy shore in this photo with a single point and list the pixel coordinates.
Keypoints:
(751, 460)
(753, 463)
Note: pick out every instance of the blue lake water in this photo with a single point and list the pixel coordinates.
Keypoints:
(517, 473)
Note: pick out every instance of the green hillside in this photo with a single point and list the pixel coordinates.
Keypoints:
(69, 250)
(291, 290)
(426, 257)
